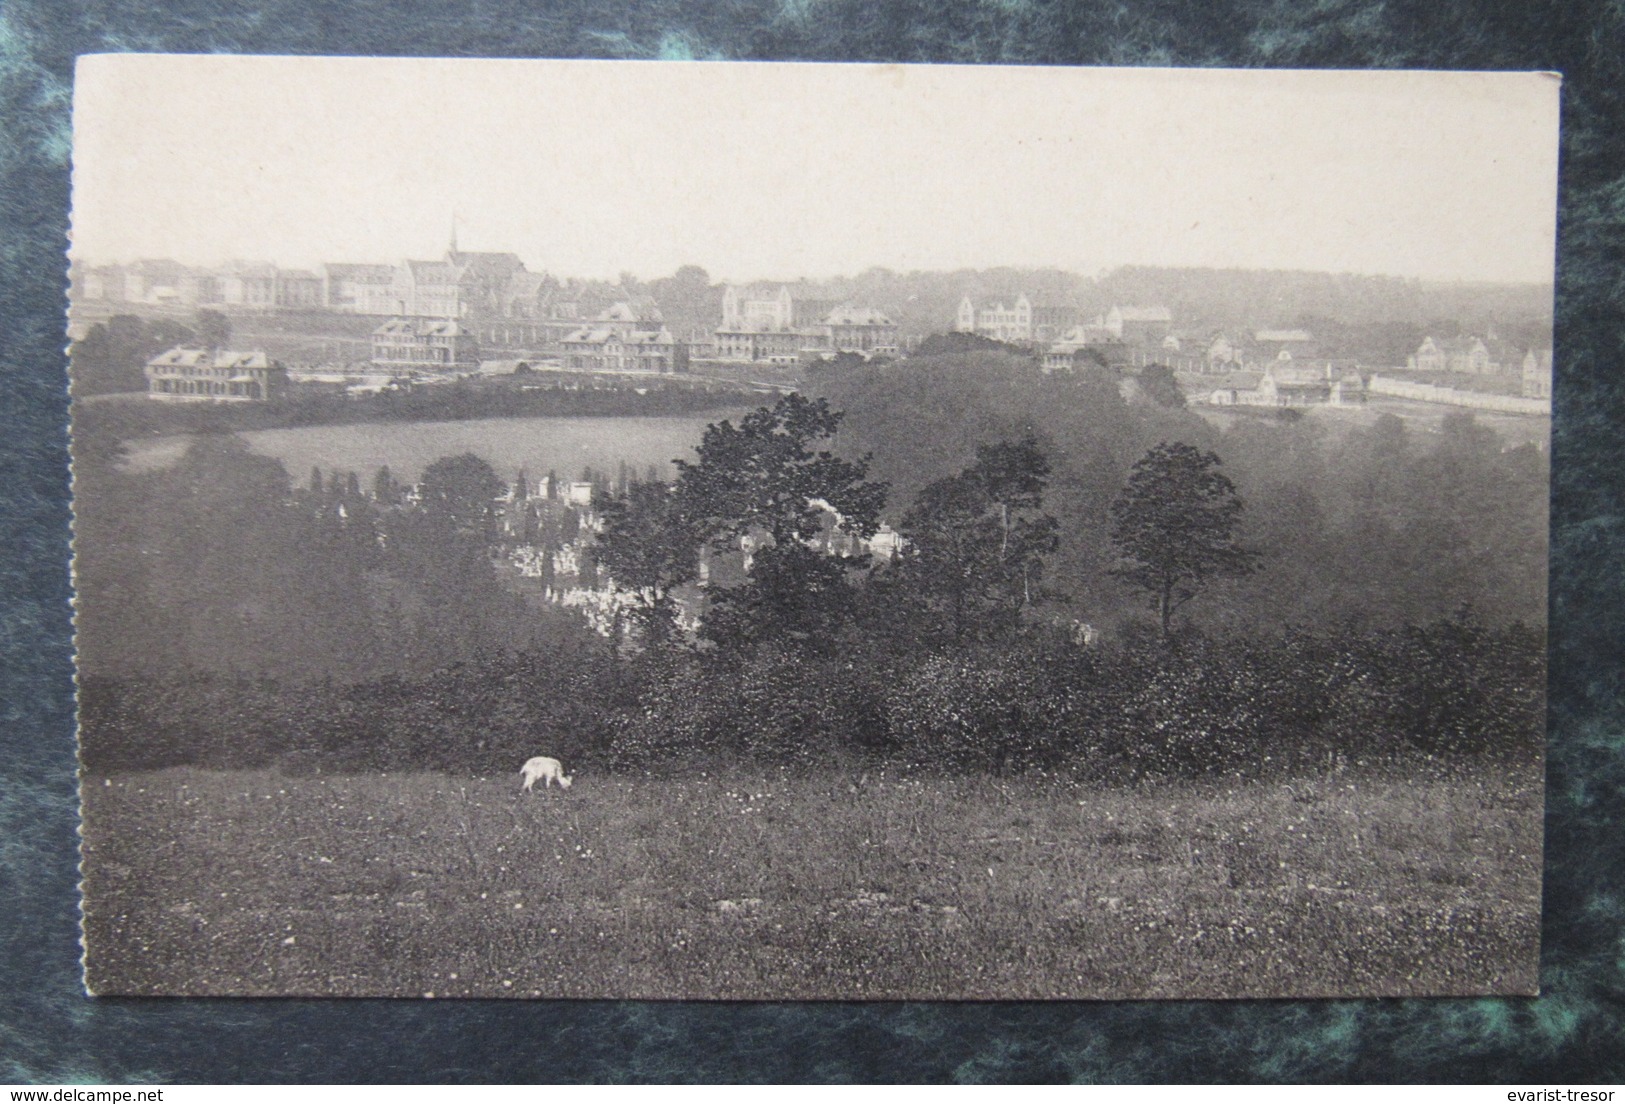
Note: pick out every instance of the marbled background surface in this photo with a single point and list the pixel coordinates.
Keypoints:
(49, 1032)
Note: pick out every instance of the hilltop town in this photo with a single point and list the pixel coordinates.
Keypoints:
(1230, 339)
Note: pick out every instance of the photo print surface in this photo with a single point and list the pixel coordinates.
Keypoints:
(757, 531)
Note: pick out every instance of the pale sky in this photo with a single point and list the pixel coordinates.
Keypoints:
(775, 171)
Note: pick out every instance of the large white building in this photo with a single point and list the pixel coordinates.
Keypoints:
(1016, 322)
(844, 329)
(771, 308)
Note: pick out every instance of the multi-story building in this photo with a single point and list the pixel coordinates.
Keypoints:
(298, 289)
(359, 288)
(218, 375)
(1062, 355)
(1286, 384)
(153, 282)
(163, 283)
(484, 280)
(251, 286)
(862, 330)
(782, 324)
(1012, 323)
(1139, 325)
(428, 289)
(597, 350)
(1537, 374)
(1455, 354)
(424, 344)
(783, 347)
(235, 284)
(766, 308)
(623, 339)
(498, 301)
(100, 282)
(1020, 321)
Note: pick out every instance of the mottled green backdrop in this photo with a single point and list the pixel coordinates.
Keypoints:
(50, 1032)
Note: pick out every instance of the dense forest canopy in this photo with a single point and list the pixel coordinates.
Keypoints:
(1373, 524)
(1370, 524)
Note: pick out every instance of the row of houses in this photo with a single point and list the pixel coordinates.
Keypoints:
(1134, 335)
(1340, 383)
(621, 338)
(462, 285)
(1284, 384)
(166, 283)
(493, 299)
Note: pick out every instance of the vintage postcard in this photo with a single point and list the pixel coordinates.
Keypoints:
(746, 531)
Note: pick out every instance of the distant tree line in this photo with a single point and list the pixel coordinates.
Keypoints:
(554, 395)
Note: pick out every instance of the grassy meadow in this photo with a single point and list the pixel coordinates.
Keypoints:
(765, 885)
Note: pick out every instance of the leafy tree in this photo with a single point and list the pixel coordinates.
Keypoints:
(686, 299)
(384, 488)
(461, 492)
(112, 355)
(957, 341)
(649, 547)
(976, 540)
(443, 584)
(213, 329)
(1158, 383)
(692, 276)
(1174, 524)
(795, 595)
(246, 580)
(766, 478)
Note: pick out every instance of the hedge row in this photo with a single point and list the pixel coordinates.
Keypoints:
(1201, 706)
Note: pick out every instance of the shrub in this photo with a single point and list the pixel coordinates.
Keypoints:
(1454, 690)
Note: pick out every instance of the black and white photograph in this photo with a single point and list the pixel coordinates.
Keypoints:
(765, 531)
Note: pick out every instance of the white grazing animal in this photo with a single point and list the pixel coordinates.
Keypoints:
(546, 769)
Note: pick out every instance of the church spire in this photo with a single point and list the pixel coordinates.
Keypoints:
(454, 232)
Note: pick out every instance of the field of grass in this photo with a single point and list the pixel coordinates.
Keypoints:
(762, 886)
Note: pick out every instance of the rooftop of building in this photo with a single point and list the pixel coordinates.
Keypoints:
(184, 356)
(857, 316)
(362, 273)
(420, 327)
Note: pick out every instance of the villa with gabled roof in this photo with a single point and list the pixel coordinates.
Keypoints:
(427, 344)
(186, 374)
